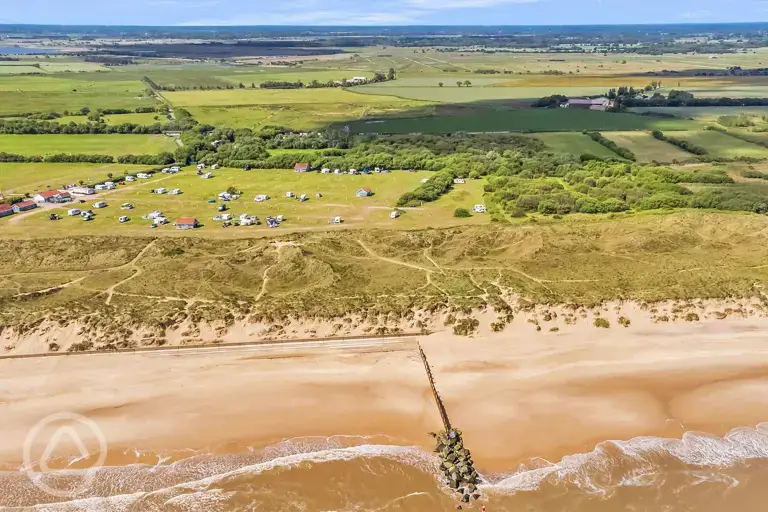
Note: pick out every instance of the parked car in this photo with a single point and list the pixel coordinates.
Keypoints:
(122, 219)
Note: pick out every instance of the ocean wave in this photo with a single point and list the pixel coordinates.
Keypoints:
(636, 461)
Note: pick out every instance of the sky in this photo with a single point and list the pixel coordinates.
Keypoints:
(377, 12)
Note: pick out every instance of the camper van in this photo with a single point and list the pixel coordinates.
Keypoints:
(175, 191)
(130, 178)
(160, 191)
(337, 220)
(261, 198)
(207, 176)
(394, 214)
(159, 221)
(479, 208)
(100, 204)
(289, 194)
(303, 198)
(74, 212)
(122, 219)
(127, 206)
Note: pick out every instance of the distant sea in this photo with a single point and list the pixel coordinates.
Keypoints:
(20, 50)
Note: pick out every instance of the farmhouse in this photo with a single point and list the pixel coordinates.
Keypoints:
(364, 192)
(86, 191)
(24, 206)
(589, 104)
(6, 210)
(52, 196)
(302, 168)
(186, 223)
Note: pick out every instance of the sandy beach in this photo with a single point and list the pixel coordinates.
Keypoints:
(516, 394)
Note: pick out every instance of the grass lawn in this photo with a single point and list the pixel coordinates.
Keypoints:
(646, 148)
(113, 144)
(575, 143)
(33, 177)
(533, 120)
(451, 93)
(440, 213)
(722, 145)
(338, 200)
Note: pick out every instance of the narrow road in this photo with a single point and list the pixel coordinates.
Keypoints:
(138, 270)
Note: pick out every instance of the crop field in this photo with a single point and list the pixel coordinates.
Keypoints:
(307, 116)
(19, 179)
(338, 199)
(575, 143)
(523, 120)
(722, 145)
(646, 148)
(113, 144)
(236, 97)
(452, 93)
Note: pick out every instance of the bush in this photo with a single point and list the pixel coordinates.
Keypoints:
(465, 326)
(602, 323)
(691, 317)
(624, 321)
(622, 152)
(461, 213)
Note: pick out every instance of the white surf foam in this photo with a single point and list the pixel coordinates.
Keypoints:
(634, 460)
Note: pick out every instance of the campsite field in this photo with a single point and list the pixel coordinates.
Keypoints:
(19, 179)
(112, 144)
(338, 199)
(646, 148)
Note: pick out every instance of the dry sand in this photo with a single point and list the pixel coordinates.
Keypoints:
(515, 394)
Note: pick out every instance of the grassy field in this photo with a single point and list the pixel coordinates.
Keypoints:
(145, 119)
(113, 144)
(704, 113)
(269, 97)
(56, 93)
(722, 145)
(575, 143)
(338, 199)
(646, 148)
(31, 178)
(533, 120)
(451, 93)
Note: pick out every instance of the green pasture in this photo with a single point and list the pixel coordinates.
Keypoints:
(575, 143)
(57, 93)
(646, 148)
(452, 93)
(722, 145)
(34, 177)
(704, 113)
(112, 144)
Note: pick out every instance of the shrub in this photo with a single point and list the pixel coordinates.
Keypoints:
(461, 213)
(53, 347)
(602, 323)
(465, 326)
(691, 317)
(624, 321)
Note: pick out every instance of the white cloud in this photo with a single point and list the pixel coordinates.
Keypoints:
(701, 14)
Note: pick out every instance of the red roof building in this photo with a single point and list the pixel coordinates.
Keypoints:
(186, 223)
(53, 196)
(24, 205)
(302, 168)
(5, 210)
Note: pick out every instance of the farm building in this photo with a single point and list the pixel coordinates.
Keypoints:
(186, 223)
(302, 168)
(52, 196)
(6, 210)
(24, 206)
(364, 192)
(87, 191)
(589, 104)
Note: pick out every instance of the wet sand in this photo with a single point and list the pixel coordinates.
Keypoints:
(516, 395)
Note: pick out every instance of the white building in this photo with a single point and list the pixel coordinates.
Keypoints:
(479, 208)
